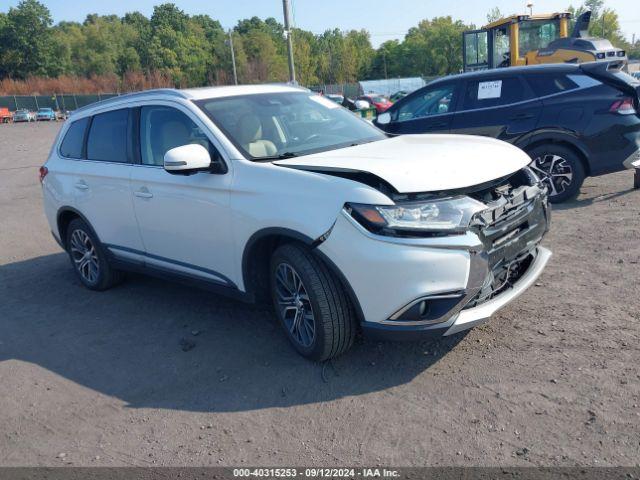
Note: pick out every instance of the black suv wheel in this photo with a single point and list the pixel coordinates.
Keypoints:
(560, 169)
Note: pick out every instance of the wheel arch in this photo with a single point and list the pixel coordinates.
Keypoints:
(256, 260)
(64, 217)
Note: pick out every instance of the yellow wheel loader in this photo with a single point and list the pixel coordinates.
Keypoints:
(521, 40)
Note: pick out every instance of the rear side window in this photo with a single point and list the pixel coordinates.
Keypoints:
(71, 146)
(487, 92)
(543, 85)
(107, 140)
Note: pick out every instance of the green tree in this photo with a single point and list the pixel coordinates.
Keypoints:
(25, 40)
(494, 14)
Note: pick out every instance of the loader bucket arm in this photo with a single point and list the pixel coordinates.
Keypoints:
(581, 29)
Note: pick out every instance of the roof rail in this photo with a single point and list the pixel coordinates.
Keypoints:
(132, 96)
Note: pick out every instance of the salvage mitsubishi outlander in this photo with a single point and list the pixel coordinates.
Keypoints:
(273, 193)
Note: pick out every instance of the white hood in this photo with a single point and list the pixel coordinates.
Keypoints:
(422, 163)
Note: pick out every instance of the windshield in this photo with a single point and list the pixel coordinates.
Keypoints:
(278, 125)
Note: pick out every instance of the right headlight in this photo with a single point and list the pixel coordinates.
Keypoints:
(448, 215)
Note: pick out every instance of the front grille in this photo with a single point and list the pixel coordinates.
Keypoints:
(510, 229)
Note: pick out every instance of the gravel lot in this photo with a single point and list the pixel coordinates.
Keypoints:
(92, 378)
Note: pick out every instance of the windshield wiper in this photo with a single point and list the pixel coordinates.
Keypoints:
(280, 156)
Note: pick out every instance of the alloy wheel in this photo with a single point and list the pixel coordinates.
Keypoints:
(294, 305)
(84, 255)
(554, 171)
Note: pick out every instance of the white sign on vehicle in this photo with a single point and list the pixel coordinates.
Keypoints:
(489, 89)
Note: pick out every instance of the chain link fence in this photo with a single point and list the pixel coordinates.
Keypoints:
(62, 102)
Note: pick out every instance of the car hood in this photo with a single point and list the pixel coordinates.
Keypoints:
(421, 163)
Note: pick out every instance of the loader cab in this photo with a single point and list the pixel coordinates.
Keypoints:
(506, 42)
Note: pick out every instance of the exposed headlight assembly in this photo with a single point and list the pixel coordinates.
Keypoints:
(449, 215)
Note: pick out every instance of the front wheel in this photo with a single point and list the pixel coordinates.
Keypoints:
(560, 169)
(311, 304)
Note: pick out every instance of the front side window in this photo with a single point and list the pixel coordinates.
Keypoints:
(433, 101)
(163, 128)
(488, 92)
(107, 140)
(71, 146)
(286, 124)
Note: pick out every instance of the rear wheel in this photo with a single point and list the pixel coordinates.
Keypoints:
(560, 169)
(311, 304)
(88, 257)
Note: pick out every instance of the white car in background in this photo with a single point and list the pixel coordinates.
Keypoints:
(273, 193)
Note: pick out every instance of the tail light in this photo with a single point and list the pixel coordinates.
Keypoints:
(623, 107)
(42, 172)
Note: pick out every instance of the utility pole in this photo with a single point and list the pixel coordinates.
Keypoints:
(233, 57)
(287, 32)
(384, 59)
(603, 23)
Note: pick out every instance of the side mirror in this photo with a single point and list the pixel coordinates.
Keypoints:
(187, 159)
(384, 118)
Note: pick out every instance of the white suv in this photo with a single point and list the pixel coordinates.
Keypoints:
(273, 192)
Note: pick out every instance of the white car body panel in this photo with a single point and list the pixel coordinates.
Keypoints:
(270, 196)
(399, 275)
(185, 219)
(103, 196)
(424, 163)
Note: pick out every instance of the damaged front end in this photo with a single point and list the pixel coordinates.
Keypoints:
(510, 230)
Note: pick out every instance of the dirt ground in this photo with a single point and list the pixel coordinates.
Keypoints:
(92, 378)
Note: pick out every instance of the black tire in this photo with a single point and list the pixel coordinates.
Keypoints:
(566, 164)
(333, 316)
(103, 276)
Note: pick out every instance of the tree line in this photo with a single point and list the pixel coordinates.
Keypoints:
(172, 48)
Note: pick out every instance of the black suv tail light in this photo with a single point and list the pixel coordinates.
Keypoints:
(623, 107)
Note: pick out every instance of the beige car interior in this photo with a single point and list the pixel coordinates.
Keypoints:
(249, 134)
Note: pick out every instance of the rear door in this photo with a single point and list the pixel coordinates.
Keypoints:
(429, 110)
(102, 183)
(500, 106)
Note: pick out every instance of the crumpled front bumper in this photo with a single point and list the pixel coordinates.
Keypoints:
(461, 319)
(468, 318)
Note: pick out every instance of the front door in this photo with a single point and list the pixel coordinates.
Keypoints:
(183, 219)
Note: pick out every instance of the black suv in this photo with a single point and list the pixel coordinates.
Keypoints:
(573, 120)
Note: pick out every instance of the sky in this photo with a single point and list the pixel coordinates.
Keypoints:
(384, 19)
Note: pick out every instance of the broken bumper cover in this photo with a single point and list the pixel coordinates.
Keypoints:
(465, 318)
(471, 317)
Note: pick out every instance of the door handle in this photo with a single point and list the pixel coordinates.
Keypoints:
(143, 193)
(439, 125)
(81, 185)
